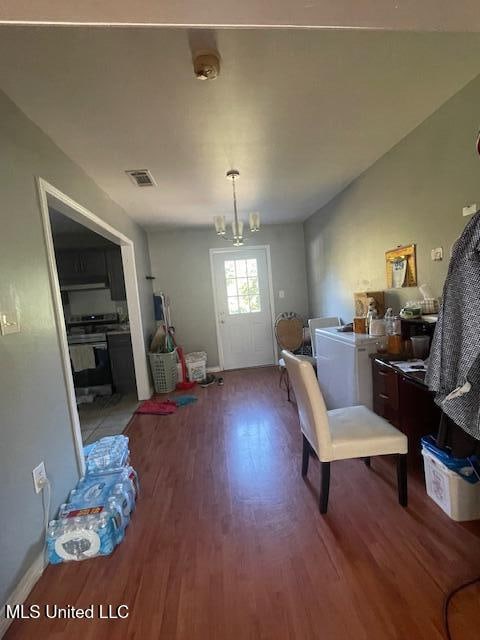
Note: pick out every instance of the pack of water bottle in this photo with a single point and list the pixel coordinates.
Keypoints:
(93, 520)
(107, 453)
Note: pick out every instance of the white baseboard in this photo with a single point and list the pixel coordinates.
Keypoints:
(213, 370)
(22, 590)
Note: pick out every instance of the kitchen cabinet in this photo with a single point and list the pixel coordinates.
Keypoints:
(121, 362)
(115, 274)
(406, 402)
(85, 266)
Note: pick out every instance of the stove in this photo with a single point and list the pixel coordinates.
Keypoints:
(87, 338)
(89, 332)
(91, 328)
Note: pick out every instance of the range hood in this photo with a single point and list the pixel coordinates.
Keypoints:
(84, 287)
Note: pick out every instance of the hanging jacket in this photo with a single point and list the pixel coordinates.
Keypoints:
(453, 370)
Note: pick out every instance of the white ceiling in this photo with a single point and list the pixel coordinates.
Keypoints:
(299, 113)
(400, 15)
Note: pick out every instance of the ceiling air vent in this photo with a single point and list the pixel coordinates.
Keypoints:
(141, 177)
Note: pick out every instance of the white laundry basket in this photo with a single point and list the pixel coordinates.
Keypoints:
(457, 497)
(196, 366)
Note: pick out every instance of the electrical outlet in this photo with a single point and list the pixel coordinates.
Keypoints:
(437, 254)
(39, 477)
(469, 210)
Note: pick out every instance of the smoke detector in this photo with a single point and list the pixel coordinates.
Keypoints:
(206, 65)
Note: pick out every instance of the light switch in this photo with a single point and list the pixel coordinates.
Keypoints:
(9, 316)
(469, 210)
(437, 254)
(9, 323)
(281, 293)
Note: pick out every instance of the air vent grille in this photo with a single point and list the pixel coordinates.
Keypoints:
(141, 177)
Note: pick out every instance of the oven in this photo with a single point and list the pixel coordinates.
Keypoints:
(90, 363)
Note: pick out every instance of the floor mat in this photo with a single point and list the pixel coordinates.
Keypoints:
(157, 407)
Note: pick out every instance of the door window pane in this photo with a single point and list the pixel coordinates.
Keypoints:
(253, 286)
(241, 268)
(255, 304)
(231, 287)
(252, 267)
(243, 295)
(230, 268)
(244, 304)
(233, 306)
(242, 284)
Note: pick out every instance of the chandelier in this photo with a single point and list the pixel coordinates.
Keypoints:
(237, 225)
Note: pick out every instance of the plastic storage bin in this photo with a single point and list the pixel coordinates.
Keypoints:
(457, 496)
(164, 371)
(196, 366)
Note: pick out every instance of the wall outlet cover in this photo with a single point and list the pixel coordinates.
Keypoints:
(9, 309)
(9, 323)
(39, 477)
(469, 210)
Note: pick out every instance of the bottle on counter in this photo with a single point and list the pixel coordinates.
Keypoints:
(393, 329)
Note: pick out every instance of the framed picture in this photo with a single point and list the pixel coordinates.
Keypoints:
(401, 266)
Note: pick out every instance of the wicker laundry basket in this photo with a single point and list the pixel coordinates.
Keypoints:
(164, 371)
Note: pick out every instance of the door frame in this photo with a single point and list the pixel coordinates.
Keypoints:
(233, 250)
(83, 216)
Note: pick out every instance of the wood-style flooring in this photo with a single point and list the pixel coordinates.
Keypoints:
(227, 542)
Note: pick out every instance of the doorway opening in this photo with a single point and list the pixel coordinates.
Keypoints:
(95, 294)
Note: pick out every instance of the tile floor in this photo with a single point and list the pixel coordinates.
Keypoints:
(106, 416)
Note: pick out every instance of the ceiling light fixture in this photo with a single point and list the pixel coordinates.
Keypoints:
(237, 225)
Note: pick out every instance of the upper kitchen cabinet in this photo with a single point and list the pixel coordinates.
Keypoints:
(115, 274)
(85, 266)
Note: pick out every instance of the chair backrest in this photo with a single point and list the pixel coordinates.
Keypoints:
(311, 406)
(321, 323)
(289, 331)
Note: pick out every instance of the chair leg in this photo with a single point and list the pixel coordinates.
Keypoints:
(367, 462)
(324, 486)
(305, 455)
(284, 376)
(402, 479)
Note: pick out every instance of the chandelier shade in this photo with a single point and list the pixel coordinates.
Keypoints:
(237, 225)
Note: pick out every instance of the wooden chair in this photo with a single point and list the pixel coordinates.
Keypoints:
(289, 336)
(340, 434)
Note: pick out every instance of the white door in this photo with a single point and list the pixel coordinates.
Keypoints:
(244, 316)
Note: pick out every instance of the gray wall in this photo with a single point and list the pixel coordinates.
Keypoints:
(413, 194)
(181, 264)
(34, 422)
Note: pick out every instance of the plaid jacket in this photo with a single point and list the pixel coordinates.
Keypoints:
(453, 370)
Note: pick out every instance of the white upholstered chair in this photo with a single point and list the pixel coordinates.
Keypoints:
(320, 323)
(353, 432)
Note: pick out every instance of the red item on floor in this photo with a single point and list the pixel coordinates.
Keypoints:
(157, 407)
(183, 386)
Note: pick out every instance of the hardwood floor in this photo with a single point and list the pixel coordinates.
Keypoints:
(227, 542)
